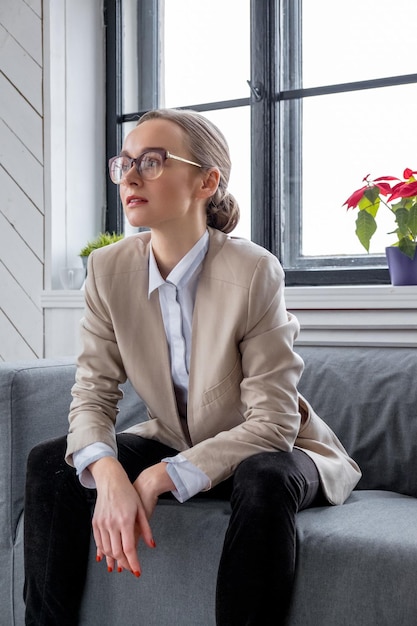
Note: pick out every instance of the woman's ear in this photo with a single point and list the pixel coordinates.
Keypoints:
(209, 183)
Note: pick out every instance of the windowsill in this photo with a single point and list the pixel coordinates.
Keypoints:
(363, 297)
(333, 315)
(357, 297)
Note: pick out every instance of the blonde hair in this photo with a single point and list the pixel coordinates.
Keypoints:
(209, 148)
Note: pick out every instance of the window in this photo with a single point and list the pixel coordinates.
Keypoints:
(176, 54)
(330, 100)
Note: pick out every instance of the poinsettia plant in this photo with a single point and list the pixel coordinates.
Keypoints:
(399, 196)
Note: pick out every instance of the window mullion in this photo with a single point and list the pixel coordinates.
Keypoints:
(290, 161)
(148, 54)
(264, 128)
(113, 22)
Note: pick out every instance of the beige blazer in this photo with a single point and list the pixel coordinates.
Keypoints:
(243, 396)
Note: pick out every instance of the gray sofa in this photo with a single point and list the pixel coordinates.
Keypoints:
(357, 563)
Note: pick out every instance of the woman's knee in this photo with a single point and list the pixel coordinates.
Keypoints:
(265, 464)
(47, 459)
(278, 477)
(266, 473)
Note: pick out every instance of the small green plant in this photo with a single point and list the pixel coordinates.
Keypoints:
(379, 191)
(103, 239)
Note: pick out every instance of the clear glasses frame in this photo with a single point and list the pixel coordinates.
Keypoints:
(149, 165)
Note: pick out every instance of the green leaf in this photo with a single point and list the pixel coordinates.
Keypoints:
(370, 201)
(407, 247)
(404, 203)
(412, 221)
(365, 228)
(102, 239)
(402, 217)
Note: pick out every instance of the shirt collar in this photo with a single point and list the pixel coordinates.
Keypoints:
(184, 268)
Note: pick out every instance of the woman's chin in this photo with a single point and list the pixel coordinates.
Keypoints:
(135, 220)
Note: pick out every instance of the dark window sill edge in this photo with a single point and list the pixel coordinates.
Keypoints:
(337, 276)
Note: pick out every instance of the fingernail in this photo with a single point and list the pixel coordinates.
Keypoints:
(120, 569)
(109, 569)
(137, 574)
(153, 544)
(98, 558)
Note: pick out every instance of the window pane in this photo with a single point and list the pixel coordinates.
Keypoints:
(205, 51)
(345, 137)
(235, 125)
(357, 40)
(130, 62)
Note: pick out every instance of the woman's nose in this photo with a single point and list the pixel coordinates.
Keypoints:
(132, 176)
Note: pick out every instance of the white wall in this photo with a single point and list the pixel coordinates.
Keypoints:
(74, 130)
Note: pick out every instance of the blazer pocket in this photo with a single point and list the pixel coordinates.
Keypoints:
(230, 383)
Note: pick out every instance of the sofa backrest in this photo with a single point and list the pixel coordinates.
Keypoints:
(368, 396)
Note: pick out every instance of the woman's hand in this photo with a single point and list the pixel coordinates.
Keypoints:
(120, 518)
(150, 484)
(123, 511)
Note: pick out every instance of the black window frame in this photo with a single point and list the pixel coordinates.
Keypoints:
(276, 218)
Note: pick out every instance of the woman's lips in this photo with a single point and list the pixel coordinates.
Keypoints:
(135, 200)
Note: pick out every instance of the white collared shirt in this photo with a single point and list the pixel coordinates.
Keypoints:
(177, 297)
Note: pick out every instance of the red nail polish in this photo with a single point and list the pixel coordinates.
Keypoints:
(109, 569)
(98, 558)
(120, 569)
(153, 544)
(137, 574)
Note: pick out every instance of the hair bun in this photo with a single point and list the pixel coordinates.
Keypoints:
(224, 214)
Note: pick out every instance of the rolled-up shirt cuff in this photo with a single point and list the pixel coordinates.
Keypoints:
(84, 457)
(187, 478)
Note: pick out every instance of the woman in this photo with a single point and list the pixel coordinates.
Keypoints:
(196, 320)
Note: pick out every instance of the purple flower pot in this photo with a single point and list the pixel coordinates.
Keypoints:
(402, 269)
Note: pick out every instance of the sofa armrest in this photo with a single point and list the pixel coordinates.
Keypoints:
(34, 402)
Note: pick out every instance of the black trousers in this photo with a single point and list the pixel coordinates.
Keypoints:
(257, 565)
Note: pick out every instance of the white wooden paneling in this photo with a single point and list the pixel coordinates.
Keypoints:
(364, 315)
(20, 261)
(25, 316)
(35, 6)
(21, 118)
(21, 180)
(13, 347)
(22, 214)
(24, 25)
(21, 69)
(21, 165)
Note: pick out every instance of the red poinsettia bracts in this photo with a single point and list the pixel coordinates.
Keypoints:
(403, 190)
(368, 198)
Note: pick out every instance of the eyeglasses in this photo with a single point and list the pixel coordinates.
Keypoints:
(149, 165)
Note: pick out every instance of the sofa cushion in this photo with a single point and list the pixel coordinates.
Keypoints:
(356, 563)
(178, 581)
(368, 396)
